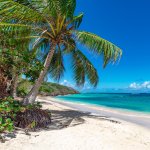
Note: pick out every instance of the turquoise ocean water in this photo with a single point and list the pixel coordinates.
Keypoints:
(132, 102)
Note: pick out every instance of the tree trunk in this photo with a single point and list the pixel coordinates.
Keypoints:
(4, 84)
(30, 98)
(14, 86)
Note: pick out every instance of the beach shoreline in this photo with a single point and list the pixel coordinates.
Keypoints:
(138, 118)
(85, 131)
(102, 107)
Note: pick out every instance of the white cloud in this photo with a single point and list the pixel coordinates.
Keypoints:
(67, 83)
(144, 85)
(134, 85)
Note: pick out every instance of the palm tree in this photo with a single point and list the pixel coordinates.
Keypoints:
(53, 22)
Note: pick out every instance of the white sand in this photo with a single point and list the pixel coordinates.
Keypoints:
(93, 134)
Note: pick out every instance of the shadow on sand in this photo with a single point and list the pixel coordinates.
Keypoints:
(61, 119)
(70, 118)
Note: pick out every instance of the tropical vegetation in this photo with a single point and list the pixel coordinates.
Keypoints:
(13, 115)
(35, 35)
(46, 89)
(53, 25)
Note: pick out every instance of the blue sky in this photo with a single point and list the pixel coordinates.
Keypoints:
(126, 23)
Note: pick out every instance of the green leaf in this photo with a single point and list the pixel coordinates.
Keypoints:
(9, 9)
(56, 69)
(84, 68)
(77, 20)
(110, 52)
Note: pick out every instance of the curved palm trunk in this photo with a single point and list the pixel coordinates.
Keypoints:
(30, 98)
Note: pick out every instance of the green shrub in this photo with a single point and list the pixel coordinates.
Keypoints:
(14, 114)
(23, 88)
(22, 92)
(6, 124)
(8, 110)
(46, 89)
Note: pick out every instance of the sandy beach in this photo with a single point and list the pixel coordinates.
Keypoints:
(72, 129)
(140, 118)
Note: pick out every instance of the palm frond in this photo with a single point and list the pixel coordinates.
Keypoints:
(50, 8)
(76, 21)
(55, 7)
(62, 7)
(91, 72)
(9, 9)
(10, 33)
(110, 52)
(69, 45)
(56, 69)
(78, 70)
(84, 68)
(70, 7)
(41, 47)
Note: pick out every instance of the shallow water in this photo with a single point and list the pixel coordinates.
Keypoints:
(132, 102)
